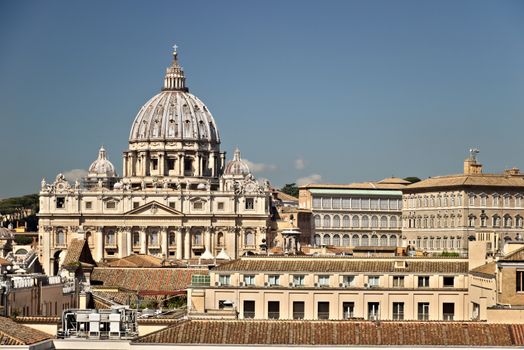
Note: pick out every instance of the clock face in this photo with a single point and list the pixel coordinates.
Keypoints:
(250, 187)
(60, 186)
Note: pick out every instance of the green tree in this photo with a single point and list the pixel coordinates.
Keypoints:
(290, 189)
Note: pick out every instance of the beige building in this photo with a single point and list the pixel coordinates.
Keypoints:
(335, 288)
(364, 214)
(177, 199)
(442, 213)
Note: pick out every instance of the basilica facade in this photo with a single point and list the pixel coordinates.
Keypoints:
(177, 198)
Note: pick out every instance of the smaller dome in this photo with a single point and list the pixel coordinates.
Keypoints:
(237, 166)
(102, 167)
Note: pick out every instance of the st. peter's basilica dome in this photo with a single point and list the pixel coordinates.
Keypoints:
(102, 167)
(174, 114)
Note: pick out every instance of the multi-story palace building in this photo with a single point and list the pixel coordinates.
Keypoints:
(177, 198)
(335, 288)
(443, 212)
(355, 215)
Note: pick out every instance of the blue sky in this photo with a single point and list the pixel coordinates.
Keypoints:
(334, 91)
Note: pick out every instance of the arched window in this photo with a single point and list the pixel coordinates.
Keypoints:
(60, 237)
(345, 241)
(336, 240)
(365, 240)
(496, 221)
(355, 241)
(384, 222)
(327, 221)
(393, 222)
(365, 221)
(136, 239)
(374, 221)
(345, 221)
(445, 242)
(507, 221)
(471, 221)
(518, 221)
(172, 238)
(220, 239)
(374, 240)
(326, 239)
(249, 238)
(110, 237)
(316, 240)
(317, 220)
(197, 238)
(383, 240)
(355, 221)
(393, 241)
(336, 221)
(153, 238)
(483, 220)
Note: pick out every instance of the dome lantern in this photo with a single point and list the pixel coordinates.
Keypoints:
(174, 78)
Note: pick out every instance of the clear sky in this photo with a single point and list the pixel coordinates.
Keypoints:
(333, 91)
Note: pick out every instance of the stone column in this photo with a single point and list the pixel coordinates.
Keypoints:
(187, 242)
(129, 236)
(99, 250)
(212, 163)
(161, 162)
(198, 166)
(121, 241)
(179, 243)
(207, 238)
(164, 244)
(143, 240)
(124, 165)
(181, 164)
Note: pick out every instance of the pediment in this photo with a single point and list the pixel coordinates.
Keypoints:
(153, 209)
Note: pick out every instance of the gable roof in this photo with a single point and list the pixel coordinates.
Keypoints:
(78, 252)
(486, 271)
(145, 279)
(12, 333)
(137, 260)
(517, 255)
(353, 333)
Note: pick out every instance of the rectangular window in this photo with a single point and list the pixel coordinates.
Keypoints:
(136, 205)
(323, 310)
(423, 311)
(110, 205)
(326, 203)
(520, 281)
(249, 309)
(348, 309)
(384, 204)
(374, 204)
(398, 281)
(89, 205)
(336, 203)
(224, 280)
(197, 205)
(154, 163)
(250, 203)
(274, 280)
(349, 281)
(373, 281)
(316, 203)
(323, 280)
(298, 310)
(170, 164)
(298, 280)
(273, 310)
(475, 316)
(172, 205)
(60, 202)
(373, 311)
(448, 311)
(346, 203)
(220, 205)
(423, 281)
(398, 311)
(355, 203)
(249, 280)
(449, 281)
(364, 204)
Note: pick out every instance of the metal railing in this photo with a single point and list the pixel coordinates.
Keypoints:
(273, 315)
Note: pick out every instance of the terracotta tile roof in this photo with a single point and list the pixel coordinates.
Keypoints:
(12, 333)
(325, 264)
(78, 252)
(372, 185)
(462, 180)
(355, 333)
(137, 260)
(38, 319)
(486, 271)
(145, 279)
(517, 255)
(284, 196)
